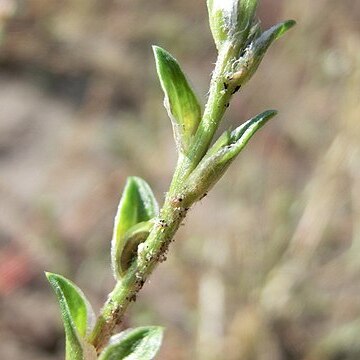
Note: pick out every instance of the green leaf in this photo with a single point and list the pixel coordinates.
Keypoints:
(241, 136)
(222, 141)
(76, 313)
(180, 101)
(262, 43)
(231, 20)
(217, 23)
(245, 18)
(133, 237)
(137, 205)
(219, 157)
(139, 344)
(249, 62)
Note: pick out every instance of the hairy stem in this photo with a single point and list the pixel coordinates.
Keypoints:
(154, 250)
(150, 254)
(218, 101)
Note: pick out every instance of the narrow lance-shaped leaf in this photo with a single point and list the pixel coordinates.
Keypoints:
(138, 344)
(137, 205)
(180, 101)
(77, 317)
(218, 159)
(249, 62)
(241, 136)
(262, 43)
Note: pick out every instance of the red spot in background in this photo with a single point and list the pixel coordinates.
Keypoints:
(15, 270)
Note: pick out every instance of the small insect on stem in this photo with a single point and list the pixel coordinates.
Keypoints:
(177, 200)
(237, 77)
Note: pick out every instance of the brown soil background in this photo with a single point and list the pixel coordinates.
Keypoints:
(267, 267)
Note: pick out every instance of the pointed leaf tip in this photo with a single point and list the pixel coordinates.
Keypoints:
(180, 101)
(245, 132)
(252, 125)
(70, 293)
(76, 313)
(284, 27)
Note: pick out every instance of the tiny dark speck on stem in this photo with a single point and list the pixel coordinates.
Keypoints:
(236, 89)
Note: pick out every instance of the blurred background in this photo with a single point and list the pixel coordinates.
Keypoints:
(267, 266)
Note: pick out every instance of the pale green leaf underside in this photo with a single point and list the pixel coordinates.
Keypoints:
(262, 43)
(137, 204)
(132, 238)
(230, 20)
(138, 344)
(180, 101)
(231, 143)
(222, 153)
(241, 136)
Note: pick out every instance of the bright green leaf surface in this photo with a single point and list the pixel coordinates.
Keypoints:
(180, 101)
(139, 344)
(75, 312)
(137, 204)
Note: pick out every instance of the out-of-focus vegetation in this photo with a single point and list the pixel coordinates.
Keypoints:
(268, 266)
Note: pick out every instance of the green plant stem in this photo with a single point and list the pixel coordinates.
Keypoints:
(154, 250)
(217, 103)
(125, 291)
